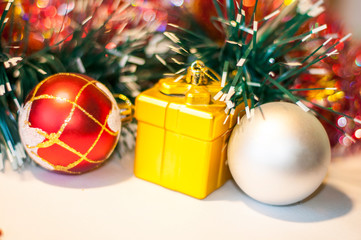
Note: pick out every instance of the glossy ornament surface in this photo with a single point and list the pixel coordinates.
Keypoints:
(280, 155)
(69, 123)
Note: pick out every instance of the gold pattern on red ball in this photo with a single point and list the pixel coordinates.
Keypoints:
(69, 123)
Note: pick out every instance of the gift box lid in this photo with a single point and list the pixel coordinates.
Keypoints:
(185, 105)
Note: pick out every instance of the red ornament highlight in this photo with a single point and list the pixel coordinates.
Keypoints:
(69, 123)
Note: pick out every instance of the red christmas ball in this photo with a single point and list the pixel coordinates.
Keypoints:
(69, 123)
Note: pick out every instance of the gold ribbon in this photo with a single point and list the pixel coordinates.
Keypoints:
(126, 108)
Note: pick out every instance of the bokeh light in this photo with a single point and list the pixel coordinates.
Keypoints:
(177, 3)
(65, 8)
(346, 141)
(342, 122)
(358, 61)
(288, 2)
(149, 15)
(358, 133)
(42, 3)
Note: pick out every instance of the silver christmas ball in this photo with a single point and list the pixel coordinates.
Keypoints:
(280, 155)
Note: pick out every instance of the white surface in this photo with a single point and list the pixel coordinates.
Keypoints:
(110, 203)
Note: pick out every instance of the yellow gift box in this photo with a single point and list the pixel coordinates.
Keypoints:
(182, 133)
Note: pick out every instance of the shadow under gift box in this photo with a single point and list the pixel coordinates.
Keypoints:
(183, 133)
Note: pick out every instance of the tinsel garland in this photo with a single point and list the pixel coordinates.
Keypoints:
(261, 57)
(342, 71)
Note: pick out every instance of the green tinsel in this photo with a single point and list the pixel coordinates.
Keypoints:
(255, 59)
